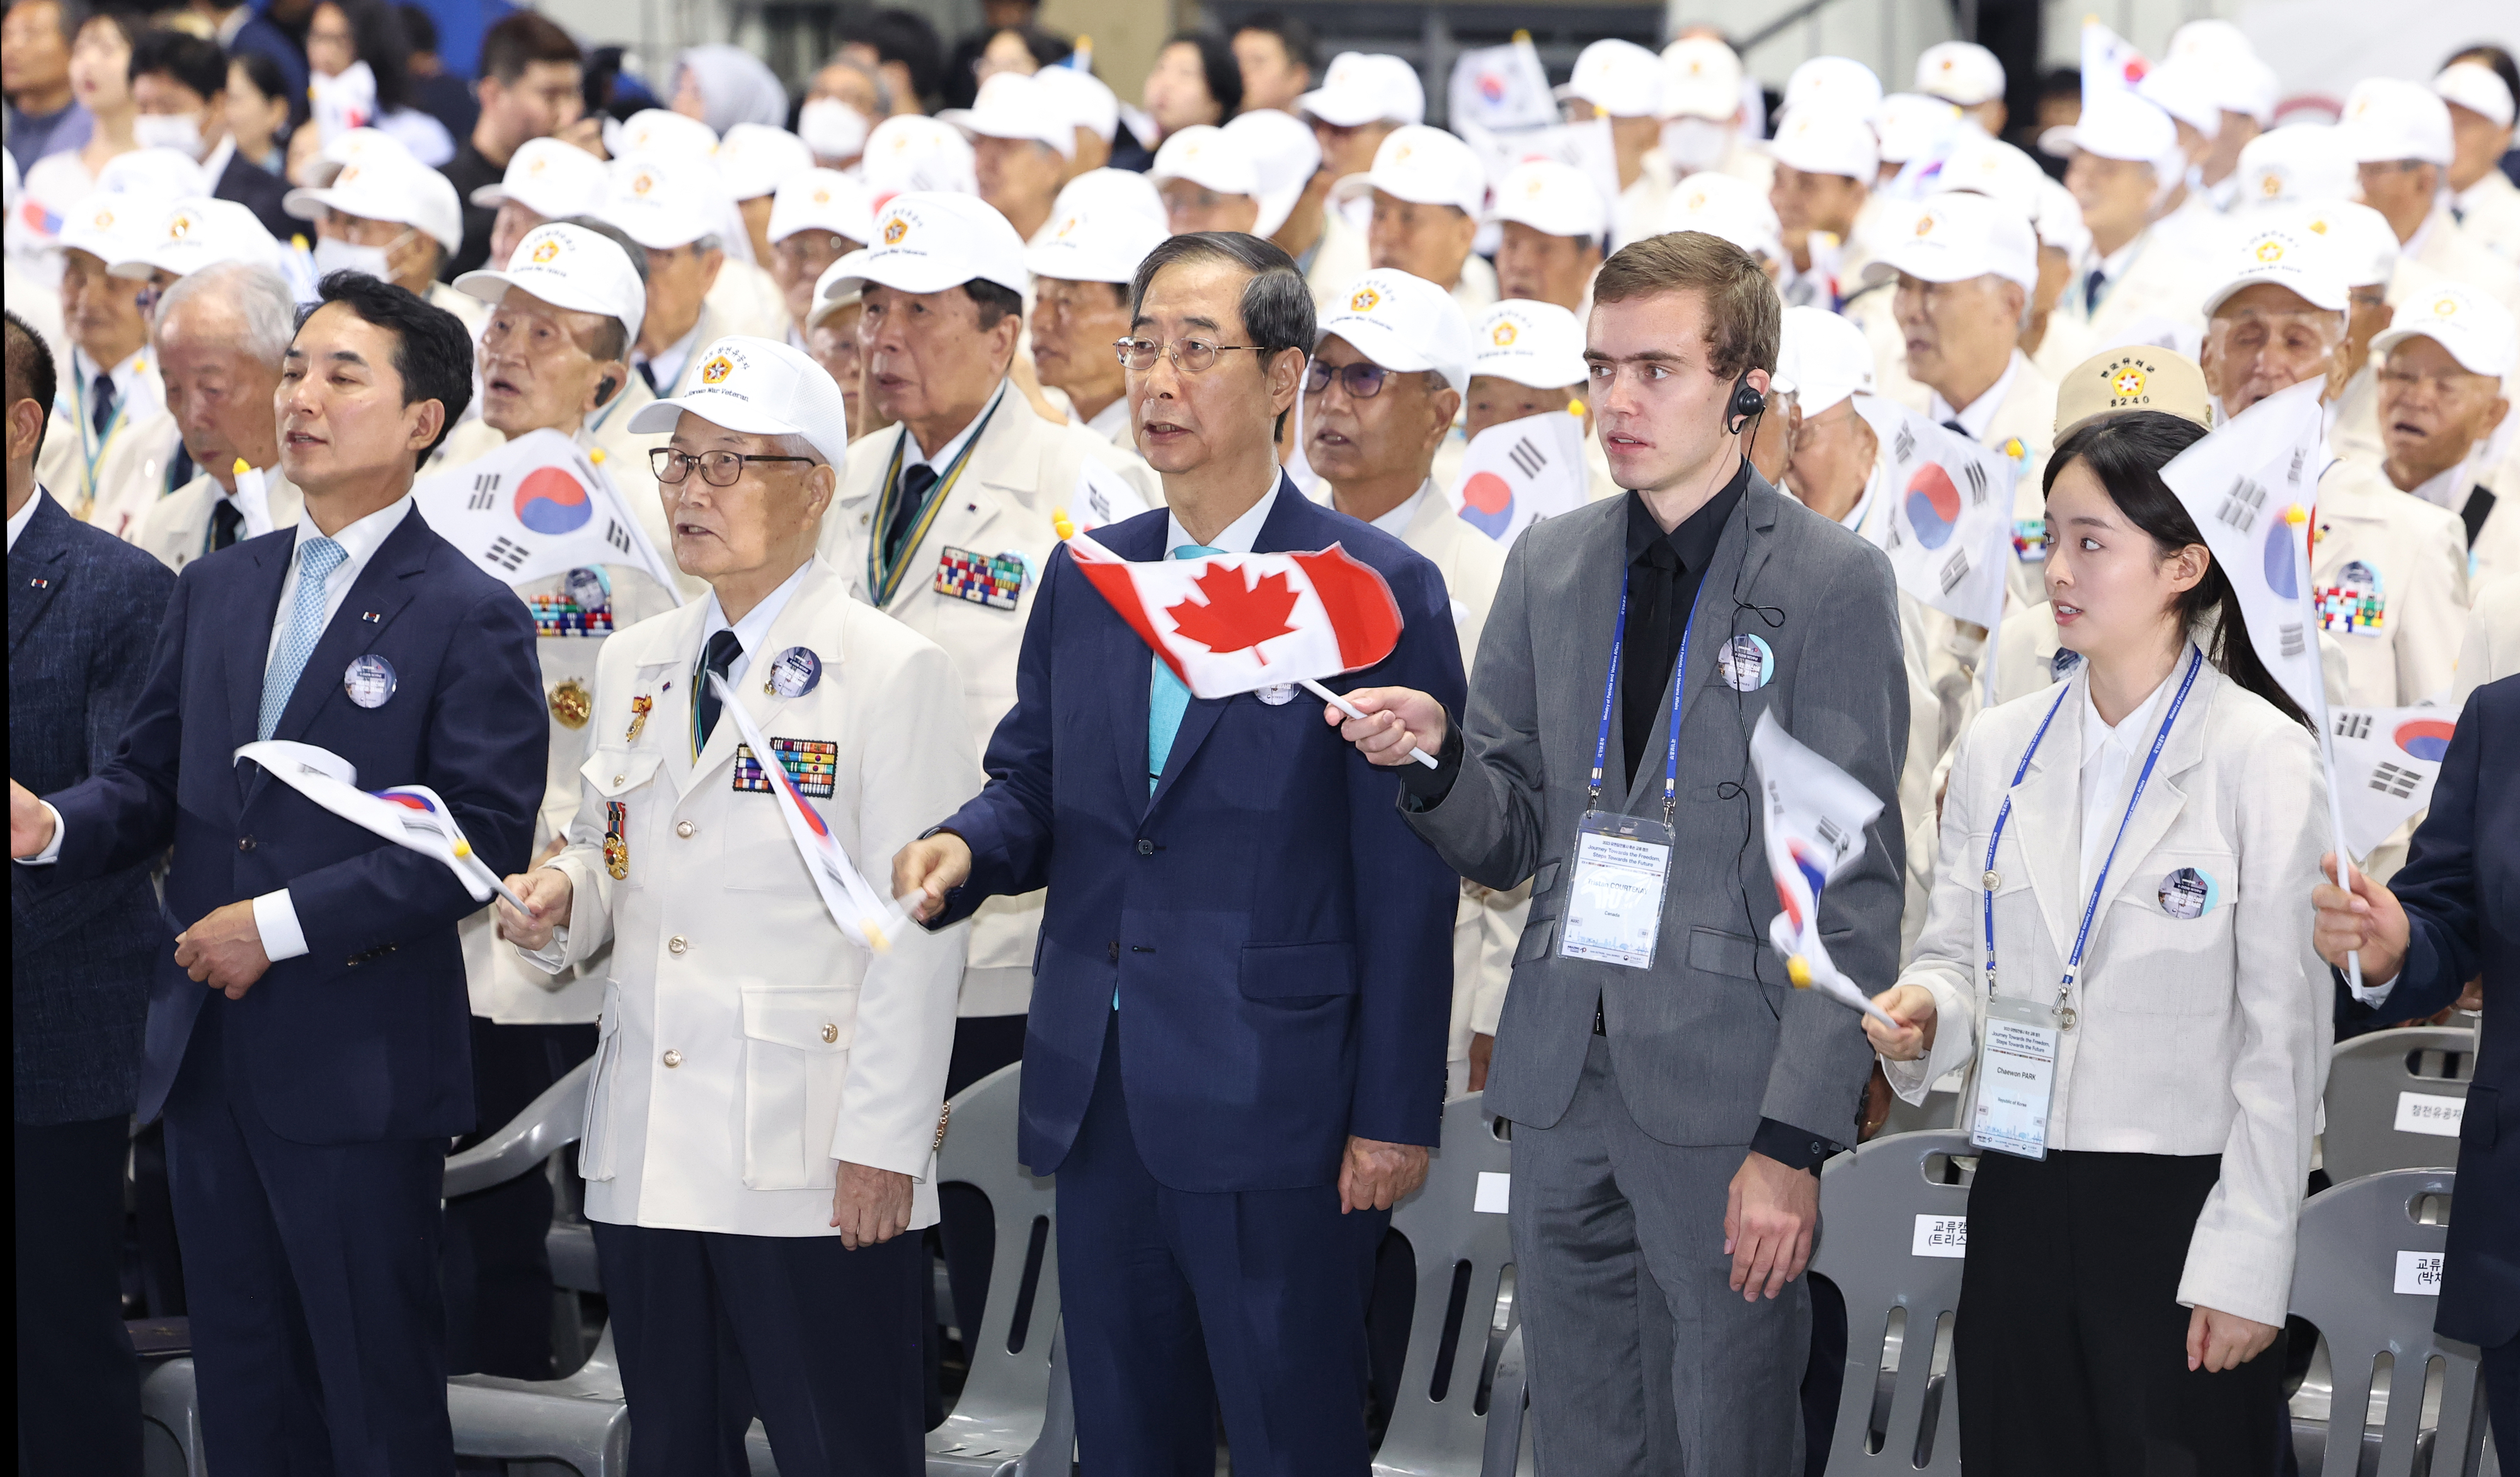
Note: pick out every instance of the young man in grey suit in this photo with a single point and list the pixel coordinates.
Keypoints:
(1672, 1097)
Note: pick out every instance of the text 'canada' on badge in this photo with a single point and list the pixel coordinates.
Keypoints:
(1746, 664)
(2187, 893)
(640, 707)
(571, 704)
(793, 673)
(369, 680)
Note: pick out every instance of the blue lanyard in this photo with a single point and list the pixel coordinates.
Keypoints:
(1610, 697)
(2091, 908)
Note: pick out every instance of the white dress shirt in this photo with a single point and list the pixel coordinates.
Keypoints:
(1980, 411)
(19, 521)
(2111, 757)
(1396, 521)
(912, 454)
(754, 628)
(667, 366)
(2448, 489)
(1238, 535)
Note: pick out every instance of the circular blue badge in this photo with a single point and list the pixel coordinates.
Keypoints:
(589, 590)
(369, 680)
(1746, 663)
(2187, 893)
(794, 672)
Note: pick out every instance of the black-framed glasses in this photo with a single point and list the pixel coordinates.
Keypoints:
(1361, 380)
(718, 469)
(1191, 356)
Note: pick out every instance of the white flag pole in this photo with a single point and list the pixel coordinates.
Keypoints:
(2327, 733)
(1358, 713)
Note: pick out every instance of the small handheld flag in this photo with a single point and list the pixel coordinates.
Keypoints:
(253, 498)
(539, 506)
(2386, 762)
(1814, 814)
(853, 901)
(1950, 528)
(407, 815)
(1517, 472)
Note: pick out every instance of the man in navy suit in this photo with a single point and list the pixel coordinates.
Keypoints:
(2451, 914)
(180, 83)
(306, 1036)
(1234, 1063)
(84, 608)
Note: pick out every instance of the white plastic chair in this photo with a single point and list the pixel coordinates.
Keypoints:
(2412, 1075)
(1873, 1204)
(1006, 1408)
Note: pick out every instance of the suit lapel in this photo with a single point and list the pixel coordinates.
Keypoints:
(253, 606)
(759, 701)
(1740, 554)
(2047, 825)
(374, 597)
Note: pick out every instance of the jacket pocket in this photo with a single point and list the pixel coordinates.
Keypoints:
(2170, 948)
(1290, 971)
(614, 772)
(594, 1140)
(1716, 951)
(1545, 878)
(795, 1057)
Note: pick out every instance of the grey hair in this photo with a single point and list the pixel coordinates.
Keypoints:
(707, 244)
(792, 444)
(259, 295)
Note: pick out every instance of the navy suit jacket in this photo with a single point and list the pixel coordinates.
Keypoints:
(2461, 888)
(364, 1037)
(1278, 938)
(84, 609)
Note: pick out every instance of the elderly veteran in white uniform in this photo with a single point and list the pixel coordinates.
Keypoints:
(764, 1109)
(2398, 135)
(816, 217)
(1550, 220)
(1430, 189)
(2443, 368)
(1080, 308)
(1527, 358)
(545, 180)
(947, 521)
(1023, 147)
(389, 216)
(1388, 371)
(2482, 200)
(1826, 160)
(2133, 284)
(677, 212)
(109, 438)
(1208, 181)
(222, 333)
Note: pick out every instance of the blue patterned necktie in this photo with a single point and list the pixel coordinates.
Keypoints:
(320, 558)
(1167, 699)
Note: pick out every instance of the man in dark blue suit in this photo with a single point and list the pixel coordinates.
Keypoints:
(306, 1035)
(180, 82)
(1234, 1062)
(2451, 914)
(84, 608)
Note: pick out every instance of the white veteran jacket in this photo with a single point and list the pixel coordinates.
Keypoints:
(969, 587)
(745, 1043)
(176, 529)
(2389, 572)
(2196, 1035)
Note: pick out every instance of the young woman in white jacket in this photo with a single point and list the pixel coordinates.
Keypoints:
(2117, 946)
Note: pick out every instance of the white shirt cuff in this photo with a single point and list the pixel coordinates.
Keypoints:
(52, 851)
(551, 958)
(276, 916)
(2373, 996)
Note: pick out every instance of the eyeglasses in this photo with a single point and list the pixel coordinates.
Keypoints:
(1361, 380)
(718, 469)
(1191, 356)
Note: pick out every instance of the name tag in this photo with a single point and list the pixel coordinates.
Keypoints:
(2419, 1274)
(1493, 1194)
(1940, 1236)
(2016, 1078)
(2430, 1113)
(1615, 904)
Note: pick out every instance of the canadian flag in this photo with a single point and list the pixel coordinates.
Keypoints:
(1234, 623)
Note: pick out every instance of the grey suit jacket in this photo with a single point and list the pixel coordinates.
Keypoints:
(1712, 1038)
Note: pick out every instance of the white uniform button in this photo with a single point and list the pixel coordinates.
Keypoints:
(677, 944)
(673, 1058)
(830, 1033)
(684, 829)
(618, 779)
(1993, 880)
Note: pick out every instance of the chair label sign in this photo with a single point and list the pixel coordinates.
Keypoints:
(2419, 1273)
(1940, 1236)
(1491, 1197)
(2430, 1113)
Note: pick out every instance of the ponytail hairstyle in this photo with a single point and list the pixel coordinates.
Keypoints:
(2125, 453)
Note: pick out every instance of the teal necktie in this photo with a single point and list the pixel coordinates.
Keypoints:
(298, 639)
(1166, 698)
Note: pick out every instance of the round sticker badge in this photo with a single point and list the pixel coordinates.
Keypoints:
(1747, 664)
(2187, 893)
(1277, 693)
(369, 680)
(794, 673)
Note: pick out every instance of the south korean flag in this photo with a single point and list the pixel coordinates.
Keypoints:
(537, 506)
(2386, 762)
(1949, 534)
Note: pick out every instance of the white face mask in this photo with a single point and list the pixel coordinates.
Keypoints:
(1695, 144)
(333, 254)
(179, 131)
(832, 128)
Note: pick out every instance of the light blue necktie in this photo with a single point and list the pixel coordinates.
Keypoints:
(320, 558)
(1167, 699)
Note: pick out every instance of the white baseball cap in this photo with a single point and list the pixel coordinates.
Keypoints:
(2479, 89)
(167, 173)
(1094, 247)
(387, 185)
(664, 202)
(1617, 78)
(1721, 204)
(1825, 356)
(197, 233)
(824, 199)
(2299, 161)
(757, 387)
(1960, 236)
(2060, 221)
(1285, 155)
(1701, 78)
(1099, 191)
(550, 178)
(1013, 105)
(662, 133)
(2184, 87)
(1208, 155)
(2248, 85)
(910, 152)
(349, 147)
(2284, 254)
(1820, 139)
(1539, 344)
(2219, 40)
(1082, 96)
(2477, 330)
(1365, 87)
(571, 268)
(108, 225)
(2116, 125)
(1839, 83)
(1961, 72)
(834, 290)
(1552, 197)
(1402, 322)
(1910, 125)
(2388, 119)
(754, 157)
(928, 241)
(1430, 167)
(1993, 168)
(2360, 239)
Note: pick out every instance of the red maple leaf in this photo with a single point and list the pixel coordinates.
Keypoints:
(1236, 617)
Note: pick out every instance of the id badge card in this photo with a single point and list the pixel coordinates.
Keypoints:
(1614, 904)
(2016, 1076)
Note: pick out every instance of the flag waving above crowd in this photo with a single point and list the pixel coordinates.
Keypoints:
(538, 506)
(1949, 531)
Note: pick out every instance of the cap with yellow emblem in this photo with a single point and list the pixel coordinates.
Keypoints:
(929, 240)
(2124, 380)
(2475, 329)
(756, 387)
(1533, 344)
(1404, 323)
(1552, 197)
(572, 268)
(2286, 255)
(821, 199)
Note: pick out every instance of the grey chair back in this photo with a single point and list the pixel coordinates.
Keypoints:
(171, 1422)
(2394, 1100)
(1893, 1219)
(1464, 1313)
(552, 1121)
(1000, 1415)
(2367, 1273)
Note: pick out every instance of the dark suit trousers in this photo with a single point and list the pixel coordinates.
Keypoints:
(498, 1268)
(318, 1334)
(1177, 1303)
(821, 1341)
(2070, 1348)
(79, 1382)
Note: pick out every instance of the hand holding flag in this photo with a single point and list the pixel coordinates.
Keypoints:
(1814, 814)
(407, 815)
